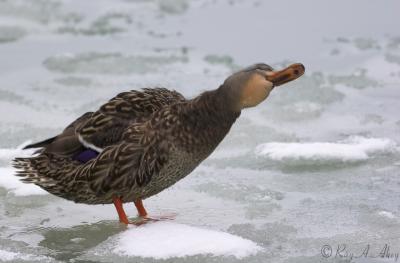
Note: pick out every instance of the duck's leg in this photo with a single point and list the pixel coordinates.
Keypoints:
(122, 215)
(140, 208)
(120, 210)
(143, 213)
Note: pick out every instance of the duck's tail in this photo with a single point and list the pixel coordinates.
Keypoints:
(33, 169)
(46, 171)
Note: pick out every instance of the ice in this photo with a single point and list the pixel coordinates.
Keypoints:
(12, 183)
(7, 154)
(372, 118)
(173, 6)
(164, 240)
(42, 11)
(394, 42)
(354, 149)
(222, 60)
(8, 180)
(387, 214)
(74, 81)
(329, 171)
(109, 63)
(13, 134)
(359, 80)
(11, 33)
(307, 99)
(365, 43)
(361, 43)
(10, 153)
(240, 192)
(8, 256)
(104, 25)
(393, 58)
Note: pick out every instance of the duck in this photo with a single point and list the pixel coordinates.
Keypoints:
(143, 141)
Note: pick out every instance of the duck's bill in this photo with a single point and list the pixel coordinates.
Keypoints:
(283, 76)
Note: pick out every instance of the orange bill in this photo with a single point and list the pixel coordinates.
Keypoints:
(285, 75)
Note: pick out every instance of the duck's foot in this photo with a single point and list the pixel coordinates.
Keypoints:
(147, 219)
(135, 222)
(143, 213)
(170, 216)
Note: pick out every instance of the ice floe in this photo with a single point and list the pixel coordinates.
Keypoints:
(164, 240)
(354, 149)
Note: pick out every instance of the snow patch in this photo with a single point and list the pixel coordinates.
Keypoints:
(354, 149)
(164, 240)
(9, 153)
(10, 181)
(387, 214)
(6, 256)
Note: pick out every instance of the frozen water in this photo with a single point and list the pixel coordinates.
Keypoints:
(392, 58)
(108, 63)
(106, 24)
(10, 33)
(9, 181)
(9, 256)
(358, 80)
(316, 164)
(173, 6)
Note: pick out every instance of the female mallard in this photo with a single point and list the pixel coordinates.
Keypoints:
(142, 142)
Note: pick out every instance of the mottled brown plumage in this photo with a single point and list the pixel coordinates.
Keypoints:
(147, 140)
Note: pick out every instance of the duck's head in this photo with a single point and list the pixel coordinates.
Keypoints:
(252, 85)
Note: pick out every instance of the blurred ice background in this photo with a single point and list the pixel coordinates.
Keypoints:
(316, 164)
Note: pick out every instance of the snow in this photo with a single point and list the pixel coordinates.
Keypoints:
(8, 154)
(387, 214)
(354, 149)
(162, 240)
(6, 256)
(11, 182)
(8, 179)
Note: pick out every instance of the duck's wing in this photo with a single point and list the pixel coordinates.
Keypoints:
(106, 126)
(133, 162)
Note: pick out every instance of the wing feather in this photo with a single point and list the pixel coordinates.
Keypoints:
(107, 125)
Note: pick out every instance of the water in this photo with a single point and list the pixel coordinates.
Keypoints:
(62, 58)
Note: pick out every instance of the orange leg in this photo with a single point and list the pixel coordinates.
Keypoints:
(120, 210)
(140, 208)
(141, 211)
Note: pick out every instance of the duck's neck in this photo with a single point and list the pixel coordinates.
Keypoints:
(214, 108)
(204, 122)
